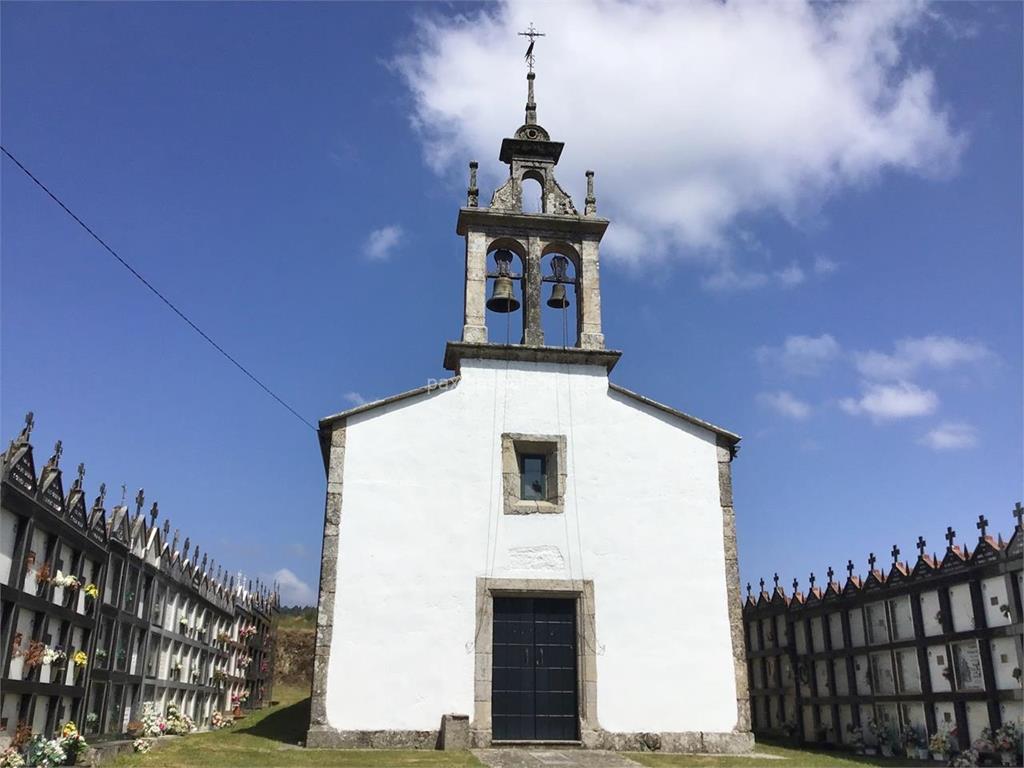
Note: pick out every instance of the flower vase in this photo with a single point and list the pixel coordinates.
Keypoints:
(80, 602)
(922, 753)
(939, 757)
(69, 678)
(17, 666)
(58, 595)
(44, 673)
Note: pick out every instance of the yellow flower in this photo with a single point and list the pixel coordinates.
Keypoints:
(80, 659)
(70, 729)
(91, 590)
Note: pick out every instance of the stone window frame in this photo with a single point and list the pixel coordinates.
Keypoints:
(579, 590)
(553, 448)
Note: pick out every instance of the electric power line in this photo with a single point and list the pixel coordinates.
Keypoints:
(152, 288)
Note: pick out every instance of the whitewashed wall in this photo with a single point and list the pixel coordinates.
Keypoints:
(422, 519)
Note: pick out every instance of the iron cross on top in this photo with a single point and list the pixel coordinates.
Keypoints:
(533, 34)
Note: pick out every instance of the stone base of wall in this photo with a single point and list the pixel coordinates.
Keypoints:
(324, 737)
(705, 742)
(693, 742)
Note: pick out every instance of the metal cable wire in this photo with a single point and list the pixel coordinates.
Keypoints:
(154, 290)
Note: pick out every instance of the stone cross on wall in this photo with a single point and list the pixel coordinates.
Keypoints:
(81, 475)
(950, 536)
(796, 586)
(153, 512)
(871, 562)
(895, 554)
(30, 423)
(921, 544)
(762, 584)
(810, 579)
(849, 568)
(981, 525)
(167, 529)
(775, 578)
(103, 495)
(140, 499)
(58, 450)
(748, 589)
(1018, 512)
(830, 573)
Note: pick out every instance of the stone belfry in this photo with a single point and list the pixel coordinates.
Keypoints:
(503, 241)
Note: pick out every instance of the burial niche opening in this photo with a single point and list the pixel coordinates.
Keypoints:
(506, 296)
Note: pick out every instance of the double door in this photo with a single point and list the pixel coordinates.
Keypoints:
(534, 680)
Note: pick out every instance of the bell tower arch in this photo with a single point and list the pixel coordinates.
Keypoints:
(558, 228)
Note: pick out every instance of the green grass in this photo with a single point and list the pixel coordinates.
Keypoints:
(785, 757)
(271, 737)
(296, 622)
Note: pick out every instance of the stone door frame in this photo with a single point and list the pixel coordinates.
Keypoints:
(582, 592)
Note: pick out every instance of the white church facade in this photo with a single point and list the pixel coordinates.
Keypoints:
(526, 545)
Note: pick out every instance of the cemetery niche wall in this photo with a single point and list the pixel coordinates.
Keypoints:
(886, 663)
(103, 612)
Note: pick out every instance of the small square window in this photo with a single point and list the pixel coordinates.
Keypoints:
(533, 473)
(994, 600)
(940, 660)
(533, 477)
(1003, 658)
(947, 717)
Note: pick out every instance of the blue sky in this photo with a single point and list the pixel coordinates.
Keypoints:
(815, 242)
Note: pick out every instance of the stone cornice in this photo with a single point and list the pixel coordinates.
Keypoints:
(456, 351)
(485, 218)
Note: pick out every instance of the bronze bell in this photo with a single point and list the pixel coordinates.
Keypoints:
(558, 299)
(503, 298)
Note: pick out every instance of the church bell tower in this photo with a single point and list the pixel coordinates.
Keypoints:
(521, 264)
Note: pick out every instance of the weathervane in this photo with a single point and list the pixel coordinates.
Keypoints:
(533, 34)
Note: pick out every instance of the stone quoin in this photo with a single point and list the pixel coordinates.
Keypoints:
(527, 544)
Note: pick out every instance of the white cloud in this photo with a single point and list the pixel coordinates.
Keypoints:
(887, 402)
(381, 243)
(730, 278)
(354, 397)
(786, 404)
(823, 265)
(294, 591)
(801, 355)
(791, 276)
(910, 355)
(693, 114)
(950, 436)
